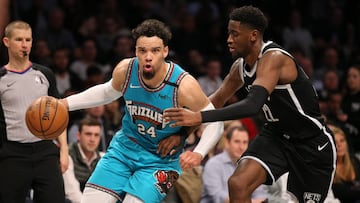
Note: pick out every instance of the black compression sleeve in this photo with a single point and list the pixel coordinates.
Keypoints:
(249, 106)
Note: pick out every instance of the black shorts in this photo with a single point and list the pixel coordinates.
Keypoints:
(30, 165)
(310, 162)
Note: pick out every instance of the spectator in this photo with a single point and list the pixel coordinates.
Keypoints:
(330, 61)
(35, 13)
(56, 34)
(122, 47)
(212, 80)
(94, 113)
(94, 76)
(84, 152)
(219, 147)
(88, 57)
(42, 53)
(330, 83)
(346, 184)
(73, 11)
(351, 106)
(113, 115)
(218, 169)
(195, 63)
(186, 36)
(337, 116)
(109, 27)
(296, 34)
(349, 41)
(71, 184)
(87, 28)
(67, 82)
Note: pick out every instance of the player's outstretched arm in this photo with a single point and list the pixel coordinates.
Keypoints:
(268, 74)
(100, 94)
(192, 97)
(232, 82)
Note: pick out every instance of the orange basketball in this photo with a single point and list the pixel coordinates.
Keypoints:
(47, 118)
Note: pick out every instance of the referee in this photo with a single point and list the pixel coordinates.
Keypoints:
(26, 162)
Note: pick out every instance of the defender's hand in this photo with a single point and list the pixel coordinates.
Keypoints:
(182, 117)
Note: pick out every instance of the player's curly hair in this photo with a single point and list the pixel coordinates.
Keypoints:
(250, 16)
(153, 27)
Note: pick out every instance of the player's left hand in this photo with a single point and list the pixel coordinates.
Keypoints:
(64, 160)
(182, 117)
(170, 145)
(190, 159)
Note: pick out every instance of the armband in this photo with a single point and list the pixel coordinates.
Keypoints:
(210, 136)
(94, 96)
(249, 106)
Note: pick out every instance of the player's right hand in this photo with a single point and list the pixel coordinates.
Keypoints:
(182, 117)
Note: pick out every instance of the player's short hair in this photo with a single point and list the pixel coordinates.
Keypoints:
(88, 121)
(151, 28)
(18, 24)
(250, 16)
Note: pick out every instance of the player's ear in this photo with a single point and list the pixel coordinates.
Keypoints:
(6, 41)
(254, 34)
(166, 51)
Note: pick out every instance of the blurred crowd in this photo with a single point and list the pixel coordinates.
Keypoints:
(83, 40)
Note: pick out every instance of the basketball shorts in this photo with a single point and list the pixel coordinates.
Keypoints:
(128, 168)
(310, 162)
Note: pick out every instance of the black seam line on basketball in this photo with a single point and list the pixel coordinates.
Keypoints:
(41, 126)
(63, 124)
(30, 125)
(56, 132)
(53, 118)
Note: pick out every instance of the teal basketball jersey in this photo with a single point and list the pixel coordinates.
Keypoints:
(143, 121)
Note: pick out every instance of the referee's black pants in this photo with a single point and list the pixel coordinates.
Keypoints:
(25, 166)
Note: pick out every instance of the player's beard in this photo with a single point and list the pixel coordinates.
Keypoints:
(148, 74)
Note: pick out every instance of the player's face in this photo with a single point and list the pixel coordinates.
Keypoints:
(89, 138)
(151, 53)
(240, 39)
(19, 42)
(238, 144)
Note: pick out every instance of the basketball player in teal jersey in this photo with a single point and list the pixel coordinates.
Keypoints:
(294, 138)
(131, 170)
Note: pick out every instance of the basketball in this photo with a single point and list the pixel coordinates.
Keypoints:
(47, 118)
